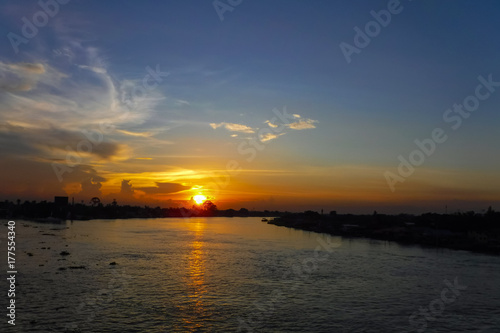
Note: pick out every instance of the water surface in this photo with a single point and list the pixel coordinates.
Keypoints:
(230, 274)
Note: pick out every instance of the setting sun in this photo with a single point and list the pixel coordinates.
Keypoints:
(199, 199)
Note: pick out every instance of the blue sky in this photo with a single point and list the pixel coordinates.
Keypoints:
(353, 119)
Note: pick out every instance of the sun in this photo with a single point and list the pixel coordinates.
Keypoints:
(199, 199)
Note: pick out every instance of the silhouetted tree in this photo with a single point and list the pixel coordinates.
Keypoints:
(209, 207)
(95, 201)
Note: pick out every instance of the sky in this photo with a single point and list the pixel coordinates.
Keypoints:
(351, 106)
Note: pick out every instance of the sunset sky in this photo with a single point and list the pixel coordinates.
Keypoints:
(255, 105)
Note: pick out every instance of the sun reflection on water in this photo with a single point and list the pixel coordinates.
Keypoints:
(194, 309)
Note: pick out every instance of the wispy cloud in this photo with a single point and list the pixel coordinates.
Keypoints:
(164, 188)
(232, 127)
(53, 142)
(181, 102)
(271, 124)
(29, 68)
(48, 105)
(19, 77)
(269, 136)
(299, 124)
(98, 70)
(139, 134)
(302, 124)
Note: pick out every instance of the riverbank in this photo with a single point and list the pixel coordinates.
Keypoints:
(469, 231)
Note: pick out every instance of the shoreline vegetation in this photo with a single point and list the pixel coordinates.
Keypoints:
(461, 231)
(62, 210)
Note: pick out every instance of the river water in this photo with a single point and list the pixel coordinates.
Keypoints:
(240, 274)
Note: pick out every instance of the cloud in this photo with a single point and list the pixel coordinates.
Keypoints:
(233, 127)
(42, 113)
(299, 124)
(57, 103)
(181, 102)
(19, 77)
(302, 124)
(19, 179)
(271, 124)
(164, 188)
(139, 134)
(29, 68)
(98, 70)
(126, 189)
(91, 187)
(269, 136)
(89, 98)
(52, 142)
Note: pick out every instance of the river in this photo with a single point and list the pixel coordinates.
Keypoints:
(240, 274)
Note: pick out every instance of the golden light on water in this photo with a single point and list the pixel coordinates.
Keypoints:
(195, 279)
